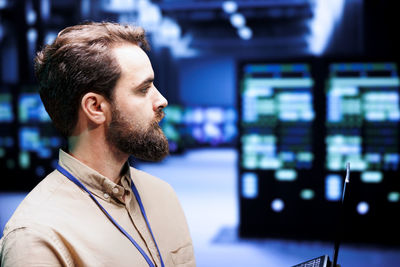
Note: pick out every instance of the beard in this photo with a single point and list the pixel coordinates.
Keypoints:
(146, 143)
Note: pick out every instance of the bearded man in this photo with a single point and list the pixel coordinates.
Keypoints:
(96, 83)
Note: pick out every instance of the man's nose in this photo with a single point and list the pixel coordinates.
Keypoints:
(161, 102)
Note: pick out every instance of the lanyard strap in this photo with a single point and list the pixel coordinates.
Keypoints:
(135, 191)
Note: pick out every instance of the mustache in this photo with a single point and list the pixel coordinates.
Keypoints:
(160, 114)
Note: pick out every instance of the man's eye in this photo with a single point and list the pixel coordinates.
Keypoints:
(145, 90)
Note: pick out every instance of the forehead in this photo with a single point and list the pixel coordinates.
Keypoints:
(134, 63)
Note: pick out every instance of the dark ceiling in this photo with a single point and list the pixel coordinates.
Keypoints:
(281, 25)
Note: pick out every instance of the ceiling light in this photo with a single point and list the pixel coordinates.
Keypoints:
(237, 20)
(245, 33)
(229, 7)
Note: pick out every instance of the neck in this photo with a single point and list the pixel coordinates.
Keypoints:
(98, 155)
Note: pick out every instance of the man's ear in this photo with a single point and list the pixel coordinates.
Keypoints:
(95, 107)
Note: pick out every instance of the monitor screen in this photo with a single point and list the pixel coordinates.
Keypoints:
(28, 142)
(363, 118)
(199, 126)
(6, 111)
(277, 116)
(31, 109)
(300, 122)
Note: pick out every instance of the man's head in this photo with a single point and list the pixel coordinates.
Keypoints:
(137, 107)
(100, 68)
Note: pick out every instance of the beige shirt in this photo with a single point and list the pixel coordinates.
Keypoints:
(58, 224)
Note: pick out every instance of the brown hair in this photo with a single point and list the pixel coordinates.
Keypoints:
(80, 61)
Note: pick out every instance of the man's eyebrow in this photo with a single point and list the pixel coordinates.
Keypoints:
(145, 82)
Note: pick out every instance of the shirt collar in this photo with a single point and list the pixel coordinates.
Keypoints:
(95, 182)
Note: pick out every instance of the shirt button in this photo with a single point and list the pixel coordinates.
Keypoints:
(115, 190)
(106, 196)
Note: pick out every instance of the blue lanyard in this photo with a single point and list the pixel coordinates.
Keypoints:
(77, 182)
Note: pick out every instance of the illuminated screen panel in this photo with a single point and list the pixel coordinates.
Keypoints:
(277, 115)
(187, 127)
(362, 121)
(7, 139)
(29, 143)
(31, 109)
(212, 126)
(276, 148)
(6, 111)
(362, 127)
(38, 141)
(299, 124)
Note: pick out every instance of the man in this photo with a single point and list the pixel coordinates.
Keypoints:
(96, 83)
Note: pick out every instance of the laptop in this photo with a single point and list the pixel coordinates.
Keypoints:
(324, 261)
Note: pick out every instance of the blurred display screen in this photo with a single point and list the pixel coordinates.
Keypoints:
(190, 127)
(299, 124)
(29, 143)
(6, 111)
(277, 114)
(363, 117)
(31, 108)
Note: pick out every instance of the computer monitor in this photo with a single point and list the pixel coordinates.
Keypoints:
(300, 121)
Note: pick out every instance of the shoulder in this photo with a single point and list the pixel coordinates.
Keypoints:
(42, 204)
(26, 246)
